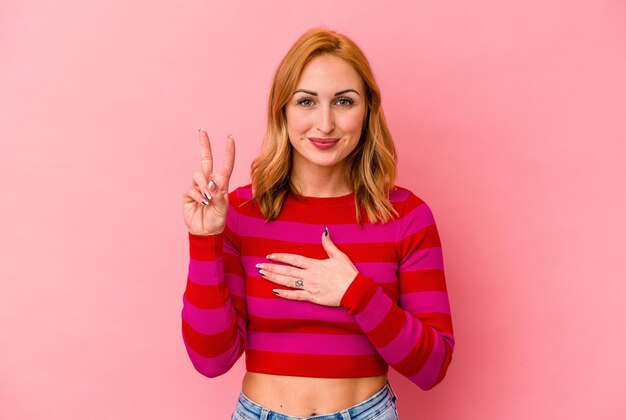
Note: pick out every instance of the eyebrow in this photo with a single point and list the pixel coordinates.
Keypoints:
(341, 92)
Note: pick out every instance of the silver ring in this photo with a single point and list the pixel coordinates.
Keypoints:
(299, 284)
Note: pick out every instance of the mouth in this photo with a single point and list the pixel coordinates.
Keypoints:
(323, 143)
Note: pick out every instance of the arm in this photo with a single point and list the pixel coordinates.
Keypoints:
(415, 336)
(214, 308)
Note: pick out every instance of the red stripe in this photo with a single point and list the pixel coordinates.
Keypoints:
(232, 264)
(422, 239)
(317, 366)
(388, 328)
(422, 281)
(442, 322)
(209, 345)
(206, 297)
(418, 355)
(307, 326)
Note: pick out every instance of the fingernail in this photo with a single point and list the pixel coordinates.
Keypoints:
(258, 265)
(230, 136)
(205, 203)
(275, 291)
(269, 257)
(208, 196)
(212, 186)
(262, 273)
(326, 231)
(200, 130)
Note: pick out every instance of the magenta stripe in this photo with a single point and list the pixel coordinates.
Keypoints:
(417, 219)
(206, 273)
(428, 374)
(213, 366)
(399, 195)
(380, 272)
(207, 321)
(312, 233)
(244, 192)
(424, 259)
(345, 344)
(420, 302)
(403, 343)
(293, 309)
(374, 312)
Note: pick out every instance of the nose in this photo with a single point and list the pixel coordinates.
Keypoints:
(326, 120)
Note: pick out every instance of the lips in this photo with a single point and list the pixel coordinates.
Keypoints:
(323, 143)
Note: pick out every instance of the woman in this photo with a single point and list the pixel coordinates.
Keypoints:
(322, 270)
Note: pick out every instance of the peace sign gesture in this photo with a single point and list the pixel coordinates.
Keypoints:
(205, 203)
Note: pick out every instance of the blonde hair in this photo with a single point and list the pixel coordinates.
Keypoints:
(370, 169)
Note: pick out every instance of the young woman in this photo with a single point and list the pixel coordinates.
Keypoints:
(322, 270)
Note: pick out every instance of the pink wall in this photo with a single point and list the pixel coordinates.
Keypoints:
(510, 120)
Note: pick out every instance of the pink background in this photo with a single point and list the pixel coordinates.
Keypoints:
(510, 119)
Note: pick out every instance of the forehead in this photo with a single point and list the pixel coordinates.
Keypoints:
(329, 72)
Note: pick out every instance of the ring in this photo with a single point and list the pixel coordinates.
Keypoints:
(300, 284)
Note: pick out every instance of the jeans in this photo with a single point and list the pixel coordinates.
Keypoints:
(380, 406)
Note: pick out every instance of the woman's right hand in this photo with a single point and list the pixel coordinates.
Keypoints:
(210, 218)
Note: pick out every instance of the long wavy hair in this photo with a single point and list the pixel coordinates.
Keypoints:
(370, 169)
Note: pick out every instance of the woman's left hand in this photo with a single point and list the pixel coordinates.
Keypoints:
(319, 281)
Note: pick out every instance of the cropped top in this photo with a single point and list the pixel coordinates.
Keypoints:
(395, 312)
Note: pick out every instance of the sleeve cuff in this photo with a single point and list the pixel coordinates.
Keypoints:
(358, 294)
(206, 248)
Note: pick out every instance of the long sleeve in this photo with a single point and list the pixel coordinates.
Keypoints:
(413, 335)
(214, 307)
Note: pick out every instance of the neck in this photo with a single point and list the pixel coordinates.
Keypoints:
(320, 181)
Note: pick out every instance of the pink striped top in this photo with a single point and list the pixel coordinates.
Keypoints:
(396, 311)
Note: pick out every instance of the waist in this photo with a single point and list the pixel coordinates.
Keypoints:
(307, 396)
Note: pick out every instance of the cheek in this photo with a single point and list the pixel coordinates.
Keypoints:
(296, 122)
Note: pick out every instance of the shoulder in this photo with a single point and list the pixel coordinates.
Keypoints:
(240, 195)
(403, 197)
(410, 205)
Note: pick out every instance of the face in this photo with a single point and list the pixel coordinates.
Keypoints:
(325, 115)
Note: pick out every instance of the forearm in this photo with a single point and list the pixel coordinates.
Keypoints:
(212, 329)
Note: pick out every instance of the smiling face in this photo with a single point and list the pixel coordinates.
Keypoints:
(325, 115)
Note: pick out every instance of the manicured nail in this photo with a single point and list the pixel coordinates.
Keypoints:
(258, 265)
(212, 186)
(205, 203)
(326, 231)
(269, 257)
(230, 136)
(275, 291)
(262, 273)
(207, 195)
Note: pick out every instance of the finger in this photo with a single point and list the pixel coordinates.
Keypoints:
(229, 159)
(203, 185)
(291, 259)
(293, 294)
(279, 279)
(284, 270)
(193, 195)
(329, 246)
(205, 152)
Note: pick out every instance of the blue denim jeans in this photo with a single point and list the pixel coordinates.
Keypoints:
(380, 406)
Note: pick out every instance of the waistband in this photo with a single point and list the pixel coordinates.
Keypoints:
(385, 396)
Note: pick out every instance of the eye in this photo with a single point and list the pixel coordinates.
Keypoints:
(344, 101)
(306, 102)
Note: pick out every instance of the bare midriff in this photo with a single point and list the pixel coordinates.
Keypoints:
(305, 396)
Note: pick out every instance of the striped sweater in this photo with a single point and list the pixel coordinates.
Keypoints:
(395, 312)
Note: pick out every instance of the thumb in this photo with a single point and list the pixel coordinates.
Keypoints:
(329, 246)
